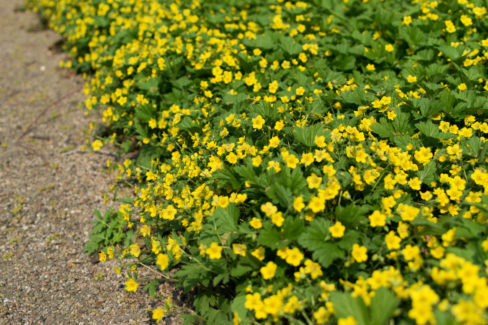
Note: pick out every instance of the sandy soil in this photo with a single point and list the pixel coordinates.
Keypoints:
(47, 197)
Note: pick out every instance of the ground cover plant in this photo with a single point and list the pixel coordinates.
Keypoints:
(305, 162)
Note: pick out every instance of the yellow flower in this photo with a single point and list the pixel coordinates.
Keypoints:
(313, 269)
(131, 285)
(407, 20)
(268, 271)
(258, 253)
(256, 161)
(450, 26)
(314, 181)
(97, 145)
(158, 314)
(252, 301)
(347, 321)
(273, 304)
(291, 160)
(320, 141)
(415, 183)
(274, 142)
(298, 204)
(426, 196)
(462, 87)
(273, 87)
(337, 230)
(102, 256)
(484, 245)
(411, 79)
(294, 256)
(410, 252)
(256, 223)
(407, 212)
(423, 155)
(214, 252)
(321, 315)
(359, 253)
(389, 48)
(232, 158)
(258, 122)
(162, 260)
(377, 219)
(239, 249)
(392, 241)
(292, 305)
(279, 126)
(269, 208)
(135, 250)
(370, 67)
(466, 312)
(300, 91)
(277, 219)
(370, 176)
(316, 204)
(467, 21)
(437, 252)
(307, 159)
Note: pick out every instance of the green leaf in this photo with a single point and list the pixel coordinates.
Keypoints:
(327, 254)
(350, 238)
(189, 319)
(345, 305)
(290, 46)
(444, 318)
(345, 62)
(383, 128)
(474, 145)
(150, 85)
(270, 237)
(314, 239)
(247, 172)
(239, 270)
(218, 316)
(226, 218)
(292, 228)
(315, 234)
(141, 130)
(428, 172)
(279, 194)
(91, 247)
(237, 306)
(264, 42)
(413, 35)
(383, 306)
(222, 277)
(450, 52)
(190, 276)
(126, 199)
(469, 229)
(151, 287)
(187, 123)
(226, 177)
(352, 214)
(102, 22)
(146, 155)
(306, 135)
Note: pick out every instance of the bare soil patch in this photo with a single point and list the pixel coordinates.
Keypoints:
(47, 197)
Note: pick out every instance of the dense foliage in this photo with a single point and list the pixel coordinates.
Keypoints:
(300, 162)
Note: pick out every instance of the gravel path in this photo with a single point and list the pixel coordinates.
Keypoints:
(47, 197)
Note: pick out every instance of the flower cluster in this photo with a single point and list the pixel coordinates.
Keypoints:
(299, 162)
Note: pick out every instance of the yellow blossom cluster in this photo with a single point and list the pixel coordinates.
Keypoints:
(297, 161)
